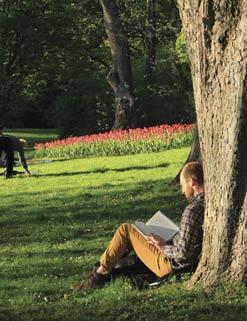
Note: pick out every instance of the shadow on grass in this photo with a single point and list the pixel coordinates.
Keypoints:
(6, 315)
(60, 228)
(148, 307)
(102, 170)
(105, 203)
(180, 310)
(35, 239)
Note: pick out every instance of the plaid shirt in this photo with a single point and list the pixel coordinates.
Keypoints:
(186, 245)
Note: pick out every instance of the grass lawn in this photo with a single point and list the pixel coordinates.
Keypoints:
(55, 225)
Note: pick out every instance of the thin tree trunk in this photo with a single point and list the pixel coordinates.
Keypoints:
(120, 75)
(151, 52)
(216, 37)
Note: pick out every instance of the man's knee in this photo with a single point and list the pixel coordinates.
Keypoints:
(125, 228)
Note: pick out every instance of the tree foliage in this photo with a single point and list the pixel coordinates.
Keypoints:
(55, 56)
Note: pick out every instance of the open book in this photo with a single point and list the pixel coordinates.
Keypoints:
(158, 224)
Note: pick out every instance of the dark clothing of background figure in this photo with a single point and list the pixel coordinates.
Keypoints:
(18, 147)
(6, 145)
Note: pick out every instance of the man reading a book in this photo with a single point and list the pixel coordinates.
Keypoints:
(160, 256)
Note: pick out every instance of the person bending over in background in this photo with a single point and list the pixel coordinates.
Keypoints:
(7, 147)
(161, 257)
(18, 146)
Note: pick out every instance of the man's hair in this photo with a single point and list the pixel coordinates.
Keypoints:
(23, 142)
(193, 170)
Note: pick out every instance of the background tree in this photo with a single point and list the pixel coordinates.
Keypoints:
(19, 49)
(170, 91)
(151, 43)
(55, 57)
(217, 47)
(55, 68)
(120, 75)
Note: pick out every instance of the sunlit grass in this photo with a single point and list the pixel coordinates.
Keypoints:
(56, 224)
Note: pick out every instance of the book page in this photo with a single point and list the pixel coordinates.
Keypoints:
(142, 228)
(160, 219)
(165, 233)
(158, 224)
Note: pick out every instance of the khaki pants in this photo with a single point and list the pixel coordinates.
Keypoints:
(127, 239)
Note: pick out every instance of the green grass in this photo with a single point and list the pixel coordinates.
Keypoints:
(55, 225)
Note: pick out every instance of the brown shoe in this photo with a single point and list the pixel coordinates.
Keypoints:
(94, 281)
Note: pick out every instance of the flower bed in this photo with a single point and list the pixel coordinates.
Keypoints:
(119, 142)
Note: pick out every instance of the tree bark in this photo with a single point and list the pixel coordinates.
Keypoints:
(194, 155)
(216, 37)
(120, 75)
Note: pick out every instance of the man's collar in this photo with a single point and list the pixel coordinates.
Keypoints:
(197, 196)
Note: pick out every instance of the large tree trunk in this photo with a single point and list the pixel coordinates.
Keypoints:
(194, 155)
(216, 37)
(120, 76)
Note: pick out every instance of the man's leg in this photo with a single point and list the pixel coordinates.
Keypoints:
(10, 162)
(126, 239)
(7, 146)
(3, 159)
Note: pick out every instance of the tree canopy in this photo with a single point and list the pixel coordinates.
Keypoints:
(55, 57)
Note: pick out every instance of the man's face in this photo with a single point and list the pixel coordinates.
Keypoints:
(186, 187)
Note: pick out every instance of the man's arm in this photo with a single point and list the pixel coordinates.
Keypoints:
(157, 241)
(22, 159)
(186, 241)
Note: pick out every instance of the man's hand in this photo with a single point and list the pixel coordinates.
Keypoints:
(157, 241)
